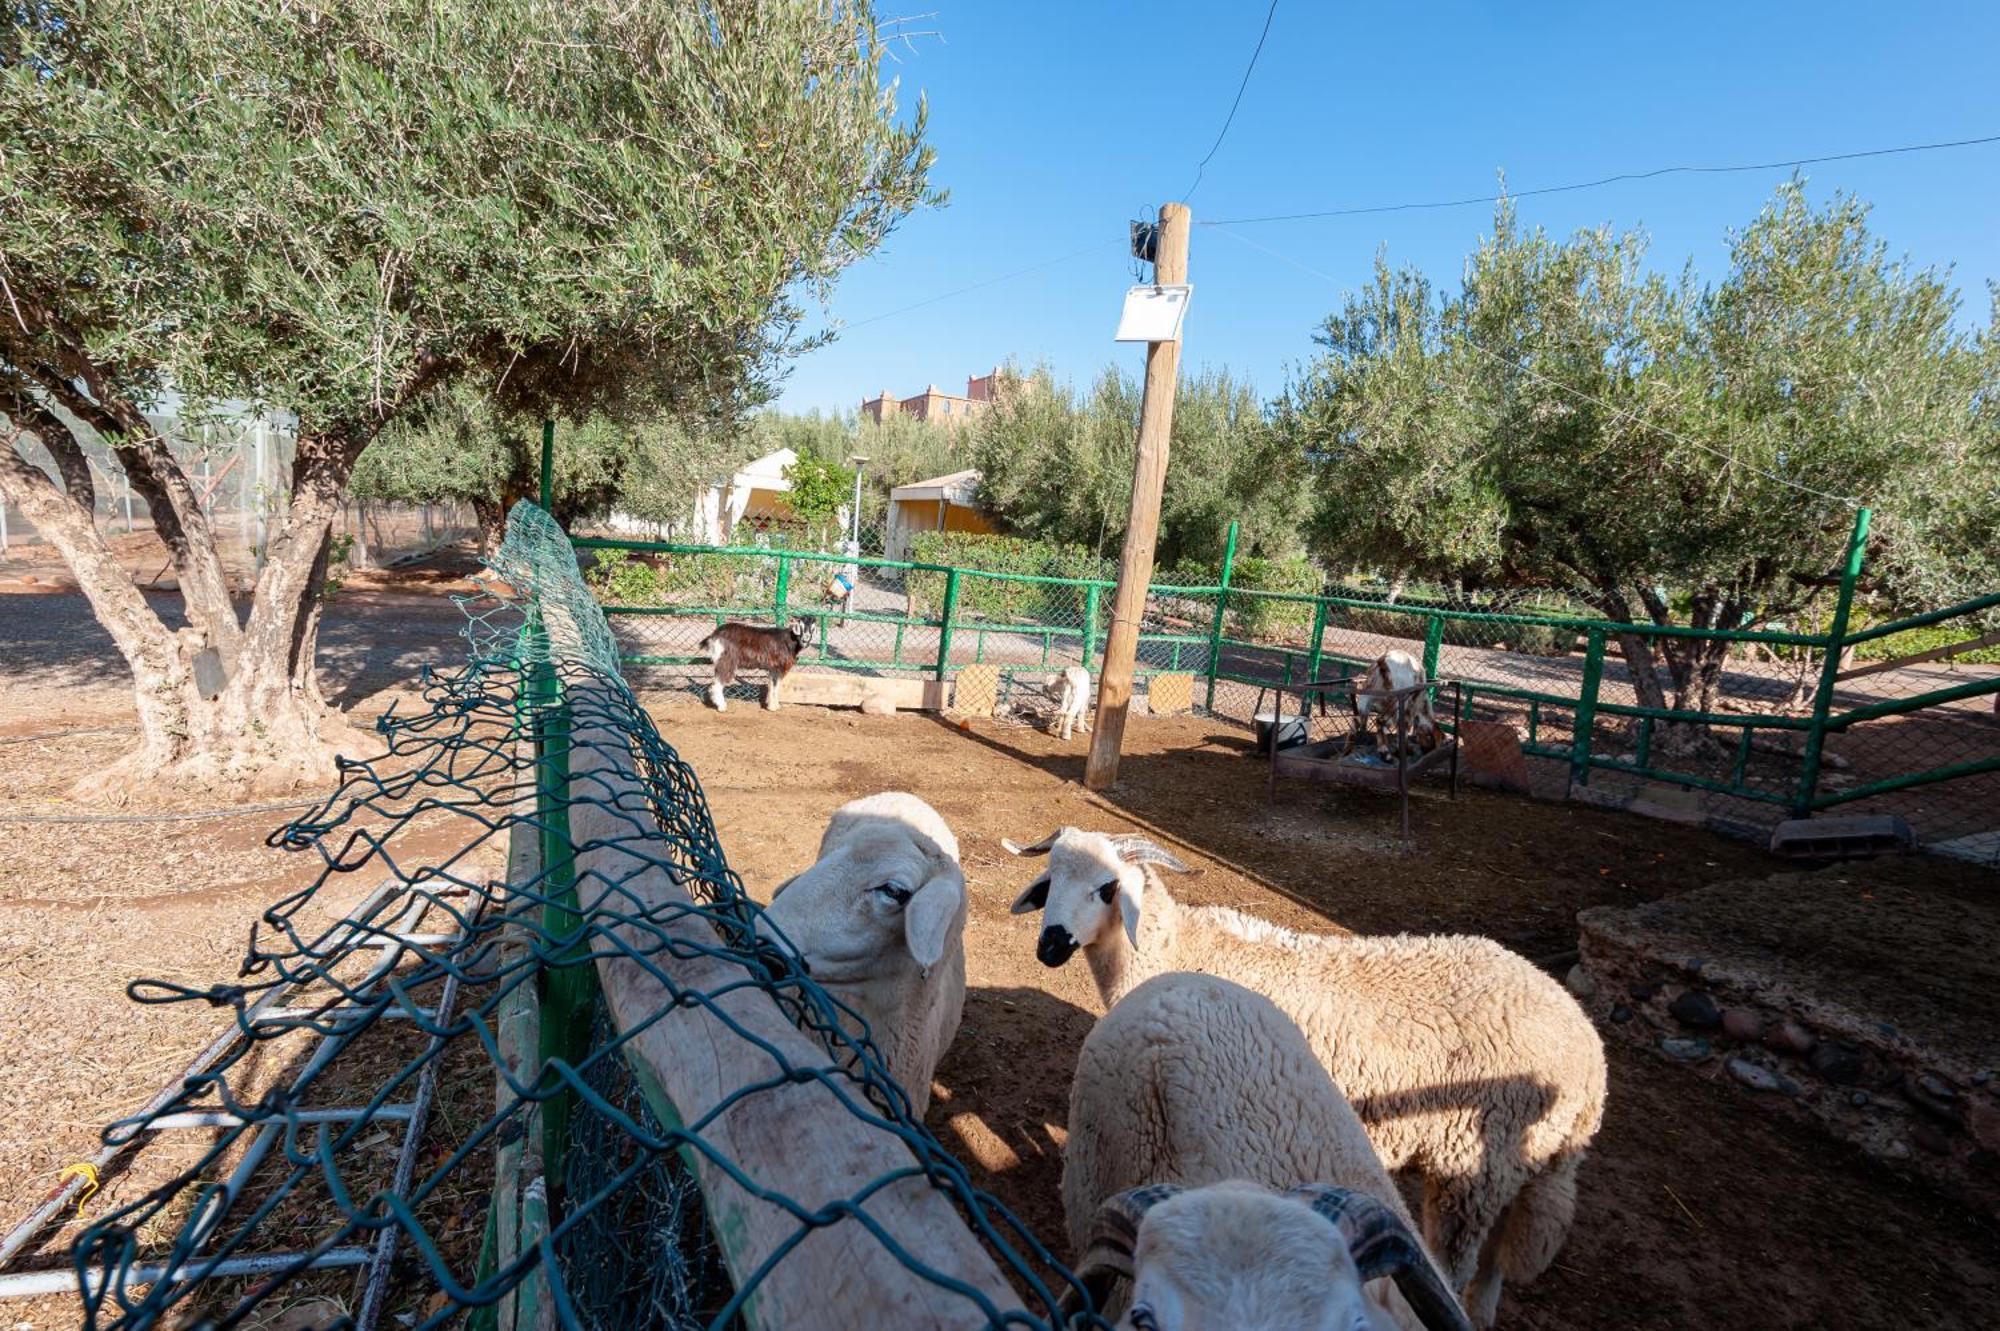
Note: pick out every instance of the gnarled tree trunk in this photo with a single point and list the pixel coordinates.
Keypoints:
(268, 728)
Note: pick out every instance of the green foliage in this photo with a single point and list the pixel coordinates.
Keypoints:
(819, 491)
(1666, 453)
(552, 220)
(1259, 618)
(619, 577)
(1057, 466)
(1912, 641)
(993, 598)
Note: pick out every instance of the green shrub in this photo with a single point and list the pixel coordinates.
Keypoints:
(622, 579)
(1911, 641)
(1258, 618)
(994, 598)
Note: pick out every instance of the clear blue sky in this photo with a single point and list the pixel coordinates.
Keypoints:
(1055, 124)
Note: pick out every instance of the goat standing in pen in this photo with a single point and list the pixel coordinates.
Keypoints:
(1072, 693)
(1386, 675)
(734, 647)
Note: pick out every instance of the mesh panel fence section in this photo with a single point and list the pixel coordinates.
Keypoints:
(533, 836)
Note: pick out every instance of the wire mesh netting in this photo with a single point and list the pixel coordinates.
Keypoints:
(579, 849)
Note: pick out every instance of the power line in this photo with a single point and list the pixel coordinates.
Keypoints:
(976, 286)
(1230, 119)
(1623, 176)
(1617, 412)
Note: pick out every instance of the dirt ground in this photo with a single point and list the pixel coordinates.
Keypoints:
(1697, 1208)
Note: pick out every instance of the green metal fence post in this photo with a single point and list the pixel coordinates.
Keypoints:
(784, 587)
(1433, 640)
(548, 486)
(1090, 604)
(1319, 635)
(950, 608)
(1221, 606)
(1836, 635)
(1586, 708)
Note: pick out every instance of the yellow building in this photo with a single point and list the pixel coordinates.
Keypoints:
(942, 503)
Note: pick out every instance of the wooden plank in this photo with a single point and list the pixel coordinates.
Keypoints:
(848, 690)
(1935, 654)
(796, 1139)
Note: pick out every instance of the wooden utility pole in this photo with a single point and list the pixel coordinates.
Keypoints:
(1142, 525)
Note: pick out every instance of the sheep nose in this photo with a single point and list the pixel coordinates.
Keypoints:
(1055, 946)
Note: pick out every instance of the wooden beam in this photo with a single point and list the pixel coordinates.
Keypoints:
(1935, 654)
(1142, 524)
(796, 1138)
(851, 690)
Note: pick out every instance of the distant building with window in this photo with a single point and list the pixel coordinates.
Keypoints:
(936, 405)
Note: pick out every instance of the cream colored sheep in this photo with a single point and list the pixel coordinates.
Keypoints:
(1463, 1060)
(1195, 1081)
(879, 920)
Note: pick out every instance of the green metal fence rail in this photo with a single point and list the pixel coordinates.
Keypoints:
(1573, 697)
(595, 1220)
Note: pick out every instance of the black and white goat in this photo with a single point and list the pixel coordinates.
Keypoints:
(1375, 700)
(734, 647)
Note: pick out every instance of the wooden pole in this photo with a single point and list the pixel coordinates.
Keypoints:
(1142, 525)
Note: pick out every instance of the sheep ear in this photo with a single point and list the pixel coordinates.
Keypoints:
(1107, 1258)
(1033, 897)
(934, 916)
(1039, 848)
(1128, 905)
(1136, 849)
(1382, 1245)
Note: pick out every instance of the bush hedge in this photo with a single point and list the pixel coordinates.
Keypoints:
(993, 598)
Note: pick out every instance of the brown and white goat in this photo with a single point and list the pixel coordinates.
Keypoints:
(1388, 674)
(734, 647)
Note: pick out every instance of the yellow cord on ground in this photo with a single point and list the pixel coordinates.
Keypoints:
(88, 1173)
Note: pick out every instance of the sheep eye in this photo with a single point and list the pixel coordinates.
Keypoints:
(1104, 894)
(899, 895)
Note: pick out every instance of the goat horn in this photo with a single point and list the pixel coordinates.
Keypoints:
(1107, 1258)
(1136, 849)
(1382, 1245)
(1039, 848)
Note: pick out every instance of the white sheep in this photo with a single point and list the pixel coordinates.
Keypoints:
(1072, 689)
(879, 920)
(1196, 1082)
(1463, 1060)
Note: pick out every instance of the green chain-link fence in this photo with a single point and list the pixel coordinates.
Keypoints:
(555, 917)
(1751, 724)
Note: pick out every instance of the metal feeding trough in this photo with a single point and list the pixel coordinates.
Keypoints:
(1351, 759)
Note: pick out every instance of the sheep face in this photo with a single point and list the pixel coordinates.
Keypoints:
(1236, 1256)
(882, 897)
(1094, 883)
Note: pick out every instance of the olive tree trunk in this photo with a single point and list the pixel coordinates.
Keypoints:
(267, 728)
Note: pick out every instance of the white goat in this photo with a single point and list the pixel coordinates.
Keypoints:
(1388, 673)
(1072, 691)
(1197, 1083)
(879, 921)
(1462, 1059)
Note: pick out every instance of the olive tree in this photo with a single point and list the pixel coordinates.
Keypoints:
(338, 210)
(1668, 453)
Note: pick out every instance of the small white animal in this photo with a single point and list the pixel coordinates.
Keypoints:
(1072, 701)
(1388, 673)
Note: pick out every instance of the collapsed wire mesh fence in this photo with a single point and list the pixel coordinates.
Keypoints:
(538, 754)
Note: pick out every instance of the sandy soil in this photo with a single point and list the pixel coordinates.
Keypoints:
(1698, 1210)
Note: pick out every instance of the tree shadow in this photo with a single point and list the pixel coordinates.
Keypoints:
(1002, 1098)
